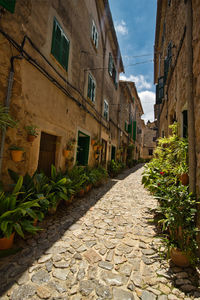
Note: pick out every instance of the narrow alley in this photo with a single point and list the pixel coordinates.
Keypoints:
(104, 246)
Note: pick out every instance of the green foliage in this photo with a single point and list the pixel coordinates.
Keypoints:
(5, 118)
(32, 130)
(177, 207)
(14, 147)
(16, 213)
(115, 167)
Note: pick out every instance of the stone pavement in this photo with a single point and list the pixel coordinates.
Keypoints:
(101, 247)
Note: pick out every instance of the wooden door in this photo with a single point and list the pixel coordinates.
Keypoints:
(47, 153)
(83, 149)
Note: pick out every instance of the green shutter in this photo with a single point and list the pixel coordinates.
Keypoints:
(89, 86)
(8, 4)
(64, 52)
(134, 130)
(130, 128)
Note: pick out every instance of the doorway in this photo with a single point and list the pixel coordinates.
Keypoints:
(113, 152)
(83, 149)
(47, 153)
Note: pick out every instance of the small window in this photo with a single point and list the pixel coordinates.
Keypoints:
(150, 152)
(60, 45)
(94, 34)
(106, 110)
(126, 126)
(91, 88)
(185, 123)
(112, 70)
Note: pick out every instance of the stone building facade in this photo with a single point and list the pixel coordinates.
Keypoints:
(63, 61)
(177, 75)
(149, 140)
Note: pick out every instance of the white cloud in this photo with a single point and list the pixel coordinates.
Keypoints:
(121, 27)
(148, 100)
(140, 81)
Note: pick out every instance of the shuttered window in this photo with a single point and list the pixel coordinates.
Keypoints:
(106, 110)
(134, 130)
(126, 126)
(110, 65)
(94, 34)
(91, 88)
(60, 45)
(112, 70)
(8, 4)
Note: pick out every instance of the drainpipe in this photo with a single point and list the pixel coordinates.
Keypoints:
(7, 105)
(190, 97)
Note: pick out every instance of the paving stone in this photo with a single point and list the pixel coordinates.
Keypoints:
(23, 292)
(131, 287)
(61, 264)
(182, 281)
(119, 294)
(43, 292)
(172, 297)
(148, 251)
(103, 251)
(86, 287)
(44, 258)
(105, 265)
(103, 292)
(148, 296)
(119, 260)
(113, 279)
(162, 297)
(188, 288)
(60, 273)
(23, 279)
(49, 266)
(181, 275)
(109, 256)
(164, 289)
(92, 256)
(40, 277)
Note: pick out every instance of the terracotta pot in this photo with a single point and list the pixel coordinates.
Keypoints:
(35, 222)
(96, 156)
(66, 153)
(69, 201)
(6, 243)
(179, 258)
(93, 142)
(16, 155)
(95, 147)
(184, 178)
(31, 138)
(52, 210)
(87, 188)
(81, 193)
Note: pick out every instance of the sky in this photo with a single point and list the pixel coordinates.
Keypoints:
(134, 22)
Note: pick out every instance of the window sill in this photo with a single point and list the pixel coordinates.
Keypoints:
(58, 64)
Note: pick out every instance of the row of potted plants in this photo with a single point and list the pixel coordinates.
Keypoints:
(35, 196)
(165, 177)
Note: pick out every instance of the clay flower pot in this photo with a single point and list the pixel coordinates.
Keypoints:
(16, 155)
(66, 153)
(184, 178)
(6, 243)
(96, 155)
(95, 147)
(31, 138)
(35, 222)
(81, 193)
(179, 258)
(93, 142)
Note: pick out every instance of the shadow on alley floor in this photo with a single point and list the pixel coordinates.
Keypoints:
(33, 247)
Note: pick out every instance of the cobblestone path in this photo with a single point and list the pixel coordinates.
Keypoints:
(101, 247)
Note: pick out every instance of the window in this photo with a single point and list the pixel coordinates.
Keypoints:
(160, 90)
(91, 88)
(94, 34)
(167, 61)
(9, 5)
(112, 70)
(150, 152)
(106, 110)
(60, 45)
(134, 130)
(185, 123)
(126, 126)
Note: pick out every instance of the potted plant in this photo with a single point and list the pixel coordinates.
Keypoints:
(16, 153)
(94, 140)
(16, 215)
(32, 132)
(69, 147)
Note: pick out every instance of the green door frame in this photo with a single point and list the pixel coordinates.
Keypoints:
(83, 156)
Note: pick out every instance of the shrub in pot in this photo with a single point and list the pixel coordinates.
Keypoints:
(32, 132)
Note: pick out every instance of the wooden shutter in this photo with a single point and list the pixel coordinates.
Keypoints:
(8, 4)
(160, 88)
(89, 86)
(56, 41)
(93, 91)
(64, 52)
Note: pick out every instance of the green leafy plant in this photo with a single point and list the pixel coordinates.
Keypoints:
(14, 147)
(5, 118)
(32, 130)
(15, 213)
